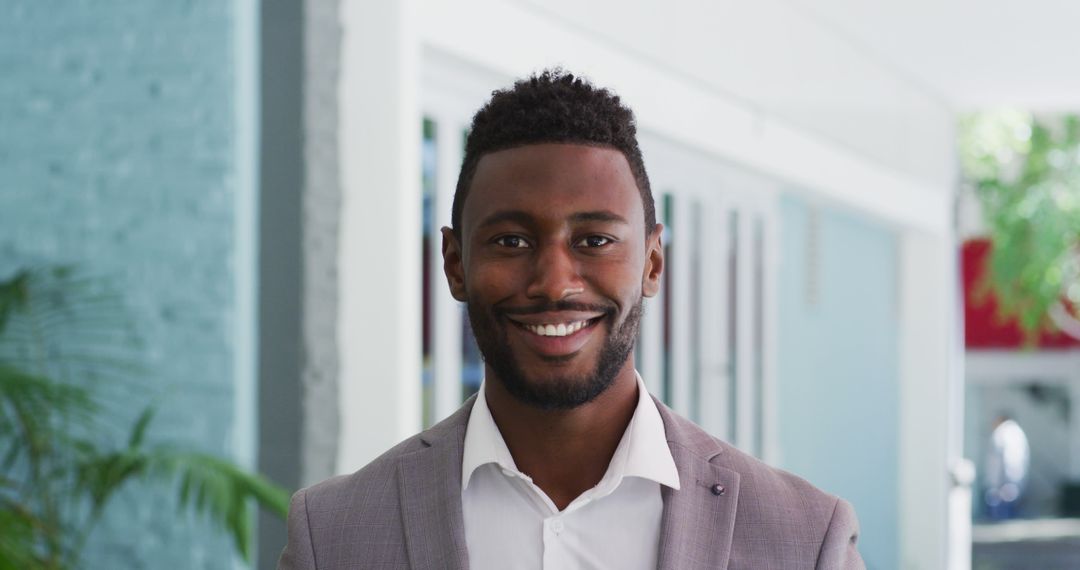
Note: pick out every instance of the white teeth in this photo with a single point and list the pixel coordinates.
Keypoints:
(561, 329)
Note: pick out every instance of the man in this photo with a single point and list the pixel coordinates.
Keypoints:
(563, 460)
(1008, 459)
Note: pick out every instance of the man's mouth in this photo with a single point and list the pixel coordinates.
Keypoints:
(557, 329)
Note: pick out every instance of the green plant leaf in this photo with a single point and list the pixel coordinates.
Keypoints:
(13, 295)
(18, 548)
(1026, 173)
(221, 490)
(64, 340)
(138, 431)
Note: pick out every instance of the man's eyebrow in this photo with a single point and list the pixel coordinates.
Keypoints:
(516, 216)
(524, 218)
(598, 216)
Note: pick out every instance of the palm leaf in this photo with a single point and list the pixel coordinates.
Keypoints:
(66, 325)
(29, 407)
(221, 490)
(13, 293)
(138, 431)
(18, 548)
(63, 338)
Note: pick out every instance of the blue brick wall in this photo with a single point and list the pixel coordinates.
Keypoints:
(117, 153)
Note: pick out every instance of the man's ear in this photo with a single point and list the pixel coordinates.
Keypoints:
(453, 264)
(654, 263)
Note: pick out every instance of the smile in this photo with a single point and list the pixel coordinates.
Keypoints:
(552, 329)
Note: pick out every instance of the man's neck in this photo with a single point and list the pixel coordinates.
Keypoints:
(565, 452)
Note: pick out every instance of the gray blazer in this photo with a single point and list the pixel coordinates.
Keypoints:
(403, 510)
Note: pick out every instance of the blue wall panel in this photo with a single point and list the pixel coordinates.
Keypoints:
(117, 153)
(837, 371)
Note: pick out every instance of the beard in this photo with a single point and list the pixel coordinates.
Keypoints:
(559, 392)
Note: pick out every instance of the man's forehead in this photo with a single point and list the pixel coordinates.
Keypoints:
(568, 180)
(597, 154)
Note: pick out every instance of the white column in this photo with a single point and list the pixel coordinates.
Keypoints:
(926, 309)
(379, 257)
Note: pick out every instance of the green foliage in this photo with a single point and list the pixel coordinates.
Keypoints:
(64, 342)
(1026, 172)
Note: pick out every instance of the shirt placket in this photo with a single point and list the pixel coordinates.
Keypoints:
(555, 555)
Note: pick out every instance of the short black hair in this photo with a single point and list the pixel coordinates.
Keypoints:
(554, 106)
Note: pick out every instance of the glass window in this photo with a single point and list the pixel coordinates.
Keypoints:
(696, 286)
(668, 238)
(732, 324)
(472, 365)
(759, 334)
(428, 171)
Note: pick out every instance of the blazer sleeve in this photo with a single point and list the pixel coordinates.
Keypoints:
(298, 553)
(839, 550)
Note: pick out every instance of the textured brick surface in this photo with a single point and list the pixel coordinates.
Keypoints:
(116, 153)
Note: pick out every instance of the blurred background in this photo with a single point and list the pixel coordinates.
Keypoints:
(219, 255)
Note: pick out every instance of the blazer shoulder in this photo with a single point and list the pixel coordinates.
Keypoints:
(784, 488)
(375, 481)
(758, 480)
(793, 510)
(779, 516)
(375, 484)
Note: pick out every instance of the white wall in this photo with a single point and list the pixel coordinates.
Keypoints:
(780, 60)
(758, 83)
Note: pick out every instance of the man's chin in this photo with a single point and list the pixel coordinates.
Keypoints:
(535, 376)
(555, 391)
(556, 371)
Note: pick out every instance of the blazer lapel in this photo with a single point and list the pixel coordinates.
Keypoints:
(699, 519)
(429, 484)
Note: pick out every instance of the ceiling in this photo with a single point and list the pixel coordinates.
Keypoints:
(971, 53)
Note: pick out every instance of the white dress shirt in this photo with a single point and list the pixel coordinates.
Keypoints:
(511, 524)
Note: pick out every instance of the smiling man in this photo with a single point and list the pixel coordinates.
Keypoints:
(563, 460)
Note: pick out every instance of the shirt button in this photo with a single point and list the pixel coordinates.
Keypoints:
(557, 526)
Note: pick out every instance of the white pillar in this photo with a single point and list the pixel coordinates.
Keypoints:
(927, 309)
(379, 257)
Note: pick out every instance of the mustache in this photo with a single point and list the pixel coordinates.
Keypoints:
(554, 307)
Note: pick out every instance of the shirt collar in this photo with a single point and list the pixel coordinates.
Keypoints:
(483, 442)
(642, 452)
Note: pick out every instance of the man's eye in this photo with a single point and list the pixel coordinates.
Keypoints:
(512, 241)
(594, 241)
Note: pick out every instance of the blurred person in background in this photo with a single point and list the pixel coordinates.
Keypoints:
(1007, 461)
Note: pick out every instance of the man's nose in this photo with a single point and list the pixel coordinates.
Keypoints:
(555, 274)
